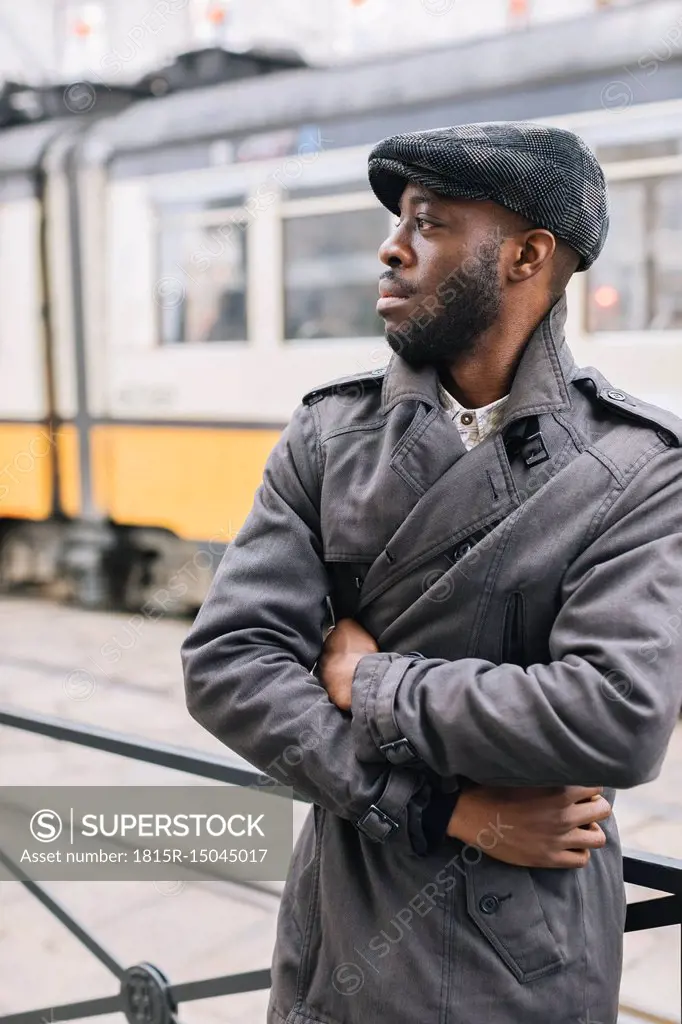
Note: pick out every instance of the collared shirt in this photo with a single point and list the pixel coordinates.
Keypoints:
(474, 425)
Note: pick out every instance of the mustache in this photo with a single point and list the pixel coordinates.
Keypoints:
(393, 278)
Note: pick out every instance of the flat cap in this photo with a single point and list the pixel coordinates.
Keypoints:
(548, 175)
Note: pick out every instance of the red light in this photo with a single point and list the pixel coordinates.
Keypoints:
(518, 8)
(217, 14)
(82, 28)
(606, 296)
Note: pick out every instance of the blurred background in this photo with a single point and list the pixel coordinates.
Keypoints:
(188, 240)
(187, 244)
(53, 39)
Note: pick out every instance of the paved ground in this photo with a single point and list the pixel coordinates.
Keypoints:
(59, 661)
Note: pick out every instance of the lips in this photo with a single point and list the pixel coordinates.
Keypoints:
(392, 296)
(392, 290)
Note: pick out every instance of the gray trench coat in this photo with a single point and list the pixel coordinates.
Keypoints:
(540, 576)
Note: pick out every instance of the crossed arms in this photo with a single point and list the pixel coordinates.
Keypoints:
(249, 657)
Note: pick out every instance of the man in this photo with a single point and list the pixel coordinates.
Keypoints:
(498, 532)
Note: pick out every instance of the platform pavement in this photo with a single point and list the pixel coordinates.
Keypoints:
(52, 660)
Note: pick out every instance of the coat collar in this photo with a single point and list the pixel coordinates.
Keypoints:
(458, 497)
(539, 385)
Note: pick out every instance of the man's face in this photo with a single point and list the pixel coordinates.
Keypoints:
(442, 287)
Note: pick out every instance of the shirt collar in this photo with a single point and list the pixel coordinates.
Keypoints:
(474, 425)
(480, 414)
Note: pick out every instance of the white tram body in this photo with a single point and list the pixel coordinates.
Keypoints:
(174, 276)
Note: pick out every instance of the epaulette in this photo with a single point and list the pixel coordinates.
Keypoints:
(346, 386)
(666, 424)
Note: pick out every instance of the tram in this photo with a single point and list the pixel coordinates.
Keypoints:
(177, 272)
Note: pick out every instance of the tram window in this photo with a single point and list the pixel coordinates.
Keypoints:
(618, 292)
(331, 270)
(636, 284)
(666, 254)
(201, 287)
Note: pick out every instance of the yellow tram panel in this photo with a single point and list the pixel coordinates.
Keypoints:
(26, 460)
(197, 482)
(69, 470)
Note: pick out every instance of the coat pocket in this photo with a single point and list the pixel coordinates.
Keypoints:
(309, 881)
(345, 582)
(503, 903)
(514, 630)
(298, 913)
(299, 888)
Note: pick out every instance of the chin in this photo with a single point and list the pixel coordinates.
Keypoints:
(391, 326)
(411, 351)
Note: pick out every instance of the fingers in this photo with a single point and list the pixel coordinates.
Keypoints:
(350, 626)
(349, 636)
(557, 859)
(559, 796)
(571, 859)
(582, 814)
(578, 794)
(590, 838)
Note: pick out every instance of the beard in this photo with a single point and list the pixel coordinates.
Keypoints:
(469, 304)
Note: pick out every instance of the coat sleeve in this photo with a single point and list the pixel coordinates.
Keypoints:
(601, 712)
(249, 656)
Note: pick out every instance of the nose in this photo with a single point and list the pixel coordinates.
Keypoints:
(395, 251)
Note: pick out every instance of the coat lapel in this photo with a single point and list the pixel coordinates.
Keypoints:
(474, 492)
(541, 381)
(460, 492)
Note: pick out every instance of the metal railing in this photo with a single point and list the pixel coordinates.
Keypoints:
(146, 996)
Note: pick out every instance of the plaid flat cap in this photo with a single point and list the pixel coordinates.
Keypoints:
(548, 175)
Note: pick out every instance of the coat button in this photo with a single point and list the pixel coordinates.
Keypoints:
(467, 418)
(617, 396)
(489, 904)
(462, 549)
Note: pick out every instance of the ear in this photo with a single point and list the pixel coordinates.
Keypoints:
(530, 251)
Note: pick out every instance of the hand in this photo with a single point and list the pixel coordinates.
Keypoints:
(533, 828)
(344, 646)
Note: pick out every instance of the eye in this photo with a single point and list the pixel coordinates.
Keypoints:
(420, 222)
